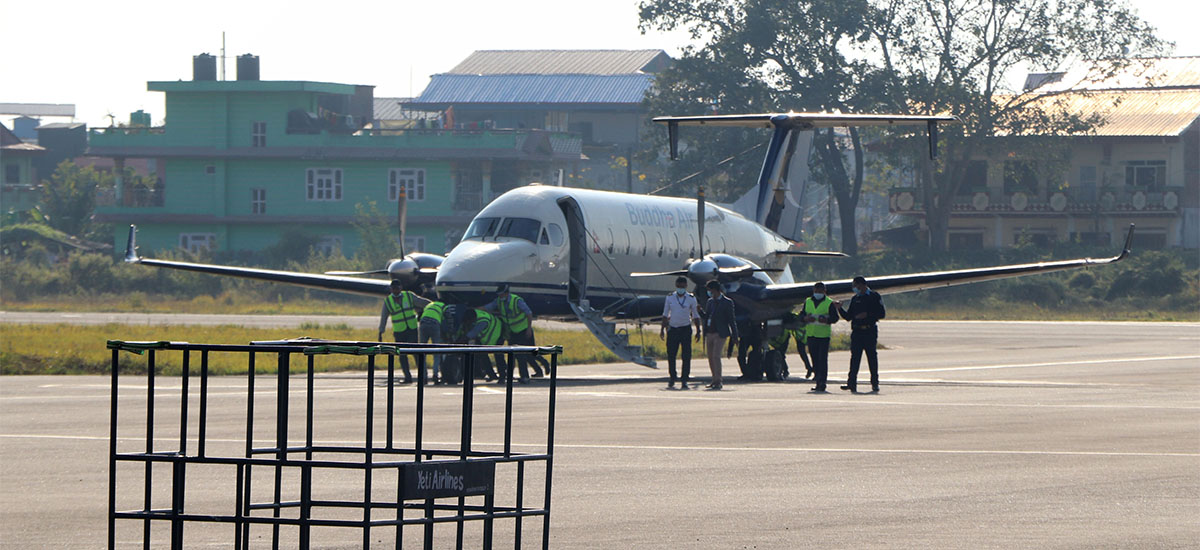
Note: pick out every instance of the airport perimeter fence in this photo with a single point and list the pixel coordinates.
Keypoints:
(282, 493)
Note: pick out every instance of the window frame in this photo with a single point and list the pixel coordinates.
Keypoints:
(258, 200)
(186, 241)
(414, 184)
(313, 180)
(258, 133)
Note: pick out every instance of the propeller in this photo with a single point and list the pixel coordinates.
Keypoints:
(412, 270)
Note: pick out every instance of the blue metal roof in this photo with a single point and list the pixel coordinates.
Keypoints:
(558, 88)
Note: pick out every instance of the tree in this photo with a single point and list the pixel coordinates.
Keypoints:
(909, 56)
(958, 56)
(69, 196)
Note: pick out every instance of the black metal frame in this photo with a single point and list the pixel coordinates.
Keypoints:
(284, 455)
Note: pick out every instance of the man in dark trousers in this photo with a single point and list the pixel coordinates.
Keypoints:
(750, 350)
(404, 308)
(819, 313)
(680, 313)
(719, 323)
(866, 309)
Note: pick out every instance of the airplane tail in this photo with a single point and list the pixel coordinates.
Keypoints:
(776, 203)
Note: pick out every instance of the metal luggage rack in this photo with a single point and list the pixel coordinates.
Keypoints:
(445, 486)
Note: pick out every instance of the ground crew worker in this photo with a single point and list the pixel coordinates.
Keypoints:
(518, 326)
(780, 342)
(719, 323)
(800, 335)
(430, 330)
(819, 315)
(750, 350)
(486, 330)
(403, 307)
(681, 312)
(866, 309)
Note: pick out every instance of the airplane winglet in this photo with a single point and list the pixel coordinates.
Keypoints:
(131, 256)
(1128, 244)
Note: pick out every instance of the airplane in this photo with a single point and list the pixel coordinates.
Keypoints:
(597, 255)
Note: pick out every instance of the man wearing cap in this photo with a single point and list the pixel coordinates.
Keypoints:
(680, 313)
(866, 309)
(820, 314)
(518, 327)
(403, 308)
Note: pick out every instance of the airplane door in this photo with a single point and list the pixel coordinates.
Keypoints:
(577, 237)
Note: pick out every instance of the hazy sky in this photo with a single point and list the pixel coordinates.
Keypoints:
(99, 55)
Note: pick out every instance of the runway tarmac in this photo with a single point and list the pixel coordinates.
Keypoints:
(986, 435)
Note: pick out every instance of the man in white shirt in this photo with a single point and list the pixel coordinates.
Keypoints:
(680, 314)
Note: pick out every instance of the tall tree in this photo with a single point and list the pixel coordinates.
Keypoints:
(787, 54)
(68, 198)
(960, 56)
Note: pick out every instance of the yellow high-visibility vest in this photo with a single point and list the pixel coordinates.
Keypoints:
(491, 334)
(514, 318)
(404, 315)
(433, 312)
(815, 329)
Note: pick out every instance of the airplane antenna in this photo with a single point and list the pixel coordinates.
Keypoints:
(402, 211)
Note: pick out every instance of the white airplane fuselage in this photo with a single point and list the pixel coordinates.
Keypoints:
(524, 238)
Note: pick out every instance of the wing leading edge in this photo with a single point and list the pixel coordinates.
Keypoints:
(353, 285)
(791, 294)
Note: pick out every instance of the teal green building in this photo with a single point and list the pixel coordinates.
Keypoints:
(238, 163)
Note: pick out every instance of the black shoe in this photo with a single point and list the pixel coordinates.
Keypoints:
(523, 380)
(671, 385)
(851, 389)
(816, 390)
(875, 389)
(538, 374)
(808, 375)
(684, 386)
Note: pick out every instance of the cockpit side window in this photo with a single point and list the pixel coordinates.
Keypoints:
(544, 239)
(521, 228)
(556, 234)
(481, 228)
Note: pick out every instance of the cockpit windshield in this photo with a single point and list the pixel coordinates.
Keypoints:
(521, 228)
(481, 228)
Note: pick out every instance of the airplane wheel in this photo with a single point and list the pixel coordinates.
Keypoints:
(773, 365)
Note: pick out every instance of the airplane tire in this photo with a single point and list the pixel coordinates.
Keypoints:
(452, 368)
(773, 365)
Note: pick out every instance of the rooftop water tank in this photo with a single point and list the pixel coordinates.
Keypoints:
(247, 67)
(204, 67)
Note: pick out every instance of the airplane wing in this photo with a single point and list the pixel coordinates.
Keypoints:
(802, 120)
(353, 285)
(788, 295)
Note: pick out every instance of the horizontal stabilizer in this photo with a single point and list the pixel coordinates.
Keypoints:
(750, 270)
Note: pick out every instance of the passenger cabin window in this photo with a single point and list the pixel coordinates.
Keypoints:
(611, 240)
(481, 228)
(521, 228)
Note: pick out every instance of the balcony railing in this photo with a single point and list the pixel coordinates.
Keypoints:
(1115, 199)
(139, 197)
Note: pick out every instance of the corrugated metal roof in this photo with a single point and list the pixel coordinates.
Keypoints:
(1160, 72)
(1134, 113)
(456, 89)
(561, 62)
(388, 108)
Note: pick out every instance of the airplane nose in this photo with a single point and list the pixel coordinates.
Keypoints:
(473, 269)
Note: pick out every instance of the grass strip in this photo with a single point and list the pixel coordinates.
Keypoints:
(82, 349)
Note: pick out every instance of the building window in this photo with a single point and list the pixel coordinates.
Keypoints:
(965, 240)
(1087, 184)
(12, 173)
(195, 242)
(974, 179)
(1020, 175)
(1149, 174)
(324, 184)
(258, 134)
(413, 180)
(210, 170)
(414, 244)
(329, 244)
(258, 201)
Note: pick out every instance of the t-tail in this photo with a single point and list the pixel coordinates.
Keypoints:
(770, 194)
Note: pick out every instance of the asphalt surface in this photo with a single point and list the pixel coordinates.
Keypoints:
(985, 435)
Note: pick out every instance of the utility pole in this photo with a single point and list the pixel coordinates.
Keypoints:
(222, 55)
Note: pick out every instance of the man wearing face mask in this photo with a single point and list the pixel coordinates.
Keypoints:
(680, 314)
(866, 309)
(819, 313)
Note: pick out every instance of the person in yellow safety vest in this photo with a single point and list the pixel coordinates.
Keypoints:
(820, 315)
(792, 330)
(518, 325)
(486, 330)
(430, 330)
(403, 308)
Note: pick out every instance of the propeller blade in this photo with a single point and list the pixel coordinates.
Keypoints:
(375, 272)
(749, 270)
(428, 270)
(700, 218)
(402, 212)
(812, 253)
(662, 274)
